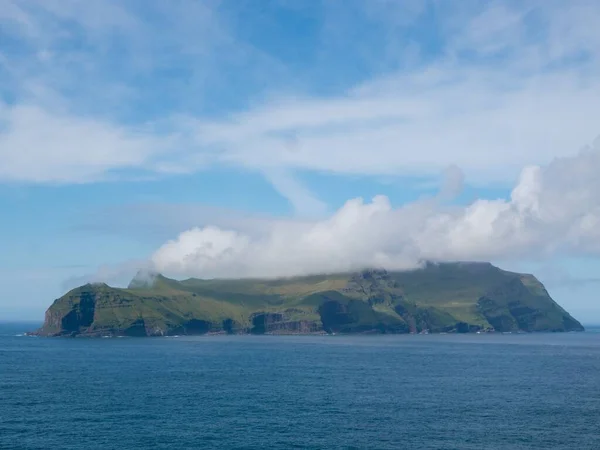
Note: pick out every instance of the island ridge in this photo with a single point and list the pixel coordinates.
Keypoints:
(440, 297)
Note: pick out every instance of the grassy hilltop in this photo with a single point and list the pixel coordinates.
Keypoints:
(448, 297)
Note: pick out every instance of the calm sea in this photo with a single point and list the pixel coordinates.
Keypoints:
(248, 392)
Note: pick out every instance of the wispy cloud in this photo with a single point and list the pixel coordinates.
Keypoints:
(510, 84)
(88, 90)
(305, 203)
(40, 146)
(489, 132)
(116, 275)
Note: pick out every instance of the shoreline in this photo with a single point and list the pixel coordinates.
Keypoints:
(272, 334)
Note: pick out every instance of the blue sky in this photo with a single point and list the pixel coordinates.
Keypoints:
(192, 136)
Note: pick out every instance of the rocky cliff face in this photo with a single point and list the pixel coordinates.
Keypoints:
(438, 298)
(281, 323)
(515, 306)
(74, 313)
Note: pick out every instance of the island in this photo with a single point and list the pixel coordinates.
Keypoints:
(458, 297)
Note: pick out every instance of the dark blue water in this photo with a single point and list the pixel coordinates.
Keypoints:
(384, 392)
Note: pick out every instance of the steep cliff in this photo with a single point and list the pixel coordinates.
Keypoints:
(449, 297)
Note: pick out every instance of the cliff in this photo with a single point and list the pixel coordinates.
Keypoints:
(449, 297)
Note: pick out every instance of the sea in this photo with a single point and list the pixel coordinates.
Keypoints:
(475, 391)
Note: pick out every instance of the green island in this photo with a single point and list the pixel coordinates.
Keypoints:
(457, 297)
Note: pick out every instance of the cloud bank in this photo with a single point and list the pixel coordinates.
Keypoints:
(552, 210)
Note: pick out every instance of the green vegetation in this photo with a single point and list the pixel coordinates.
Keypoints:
(448, 297)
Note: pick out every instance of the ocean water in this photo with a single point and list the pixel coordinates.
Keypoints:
(520, 391)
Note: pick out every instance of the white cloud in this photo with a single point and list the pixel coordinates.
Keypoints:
(39, 146)
(305, 203)
(83, 90)
(511, 90)
(418, 126)
(511, 85)
(552, 210)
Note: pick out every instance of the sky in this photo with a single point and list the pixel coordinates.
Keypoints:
(243, 138)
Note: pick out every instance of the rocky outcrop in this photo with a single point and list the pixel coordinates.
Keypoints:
(340, 314)
(374, 286)
(430, 319)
